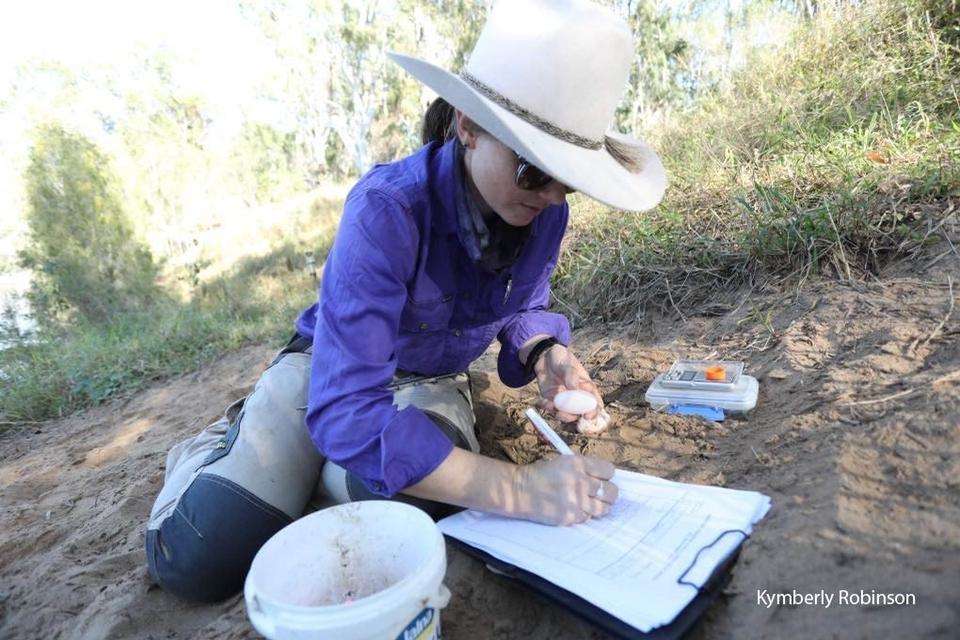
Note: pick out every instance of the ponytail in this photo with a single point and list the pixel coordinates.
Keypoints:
(439, 122)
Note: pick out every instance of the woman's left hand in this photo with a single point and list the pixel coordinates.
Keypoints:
(559, 370)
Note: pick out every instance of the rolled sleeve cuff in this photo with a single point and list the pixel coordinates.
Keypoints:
(411, 447)
(523, 326)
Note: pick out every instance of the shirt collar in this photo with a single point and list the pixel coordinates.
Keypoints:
(446, 180)
(474, 223)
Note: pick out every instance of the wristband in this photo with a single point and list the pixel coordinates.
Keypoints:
(536, 352)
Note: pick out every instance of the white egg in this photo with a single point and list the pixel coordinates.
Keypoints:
(575, 402)
(596, 426)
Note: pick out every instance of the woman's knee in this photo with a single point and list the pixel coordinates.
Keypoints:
(203, 549)
(449, 403)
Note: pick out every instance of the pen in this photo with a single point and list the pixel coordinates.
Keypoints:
(552, 437)
(548, 433)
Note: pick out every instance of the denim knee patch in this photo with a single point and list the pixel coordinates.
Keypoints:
(203, 550)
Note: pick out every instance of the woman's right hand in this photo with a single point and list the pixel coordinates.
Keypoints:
(563, 490)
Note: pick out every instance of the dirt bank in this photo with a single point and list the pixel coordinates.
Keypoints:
(855, 438)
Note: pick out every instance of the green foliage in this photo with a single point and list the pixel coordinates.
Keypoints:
(166, 165)
(944, 16)
(88, 363)
(81, 247)
(265, 160)
(460, 22)
(353, 106)
(660, 59)
(832, 156)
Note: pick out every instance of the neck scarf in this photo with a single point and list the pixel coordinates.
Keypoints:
(489, 240)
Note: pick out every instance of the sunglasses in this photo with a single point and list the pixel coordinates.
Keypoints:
(531, 178)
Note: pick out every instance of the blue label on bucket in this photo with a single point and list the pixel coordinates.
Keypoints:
(422, 627)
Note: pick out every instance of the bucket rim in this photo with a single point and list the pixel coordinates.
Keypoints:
(376, 600)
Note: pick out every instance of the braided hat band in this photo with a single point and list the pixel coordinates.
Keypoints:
(529, 116)
(629, 156)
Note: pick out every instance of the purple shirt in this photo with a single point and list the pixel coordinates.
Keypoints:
(399, 290)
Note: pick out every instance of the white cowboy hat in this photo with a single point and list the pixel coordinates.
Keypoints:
(545, 78)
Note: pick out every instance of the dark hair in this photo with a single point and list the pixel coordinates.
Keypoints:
(440, 122)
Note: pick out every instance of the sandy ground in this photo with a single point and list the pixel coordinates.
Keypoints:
(856, 438)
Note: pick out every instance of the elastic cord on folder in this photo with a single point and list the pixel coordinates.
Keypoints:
(693, 562)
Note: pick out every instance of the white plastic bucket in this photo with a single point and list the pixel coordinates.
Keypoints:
(363, 570)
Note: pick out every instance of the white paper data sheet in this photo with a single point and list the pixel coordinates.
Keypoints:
(628, 562)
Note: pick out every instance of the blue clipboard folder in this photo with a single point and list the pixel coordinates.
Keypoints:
(678, 628)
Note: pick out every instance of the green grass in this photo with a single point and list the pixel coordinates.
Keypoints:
(830, 157)
(257, 300)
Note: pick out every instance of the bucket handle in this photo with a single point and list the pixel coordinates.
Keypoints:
(264, 625)
(440, 599)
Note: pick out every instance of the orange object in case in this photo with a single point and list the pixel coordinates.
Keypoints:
(716, 373)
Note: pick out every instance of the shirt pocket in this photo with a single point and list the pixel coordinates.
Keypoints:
(427, 316)
(424, 325)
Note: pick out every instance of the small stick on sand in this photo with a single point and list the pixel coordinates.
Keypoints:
(945, 318)
(906, 392)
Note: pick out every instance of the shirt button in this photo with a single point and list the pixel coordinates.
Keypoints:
(447, 298)
(423, 325)
(456, 332)
(466, 295)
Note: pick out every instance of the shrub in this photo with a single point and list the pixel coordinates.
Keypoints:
(81, 247)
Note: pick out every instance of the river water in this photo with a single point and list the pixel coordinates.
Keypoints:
(13, 287)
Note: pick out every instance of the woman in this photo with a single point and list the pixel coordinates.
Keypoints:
(435, 255)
